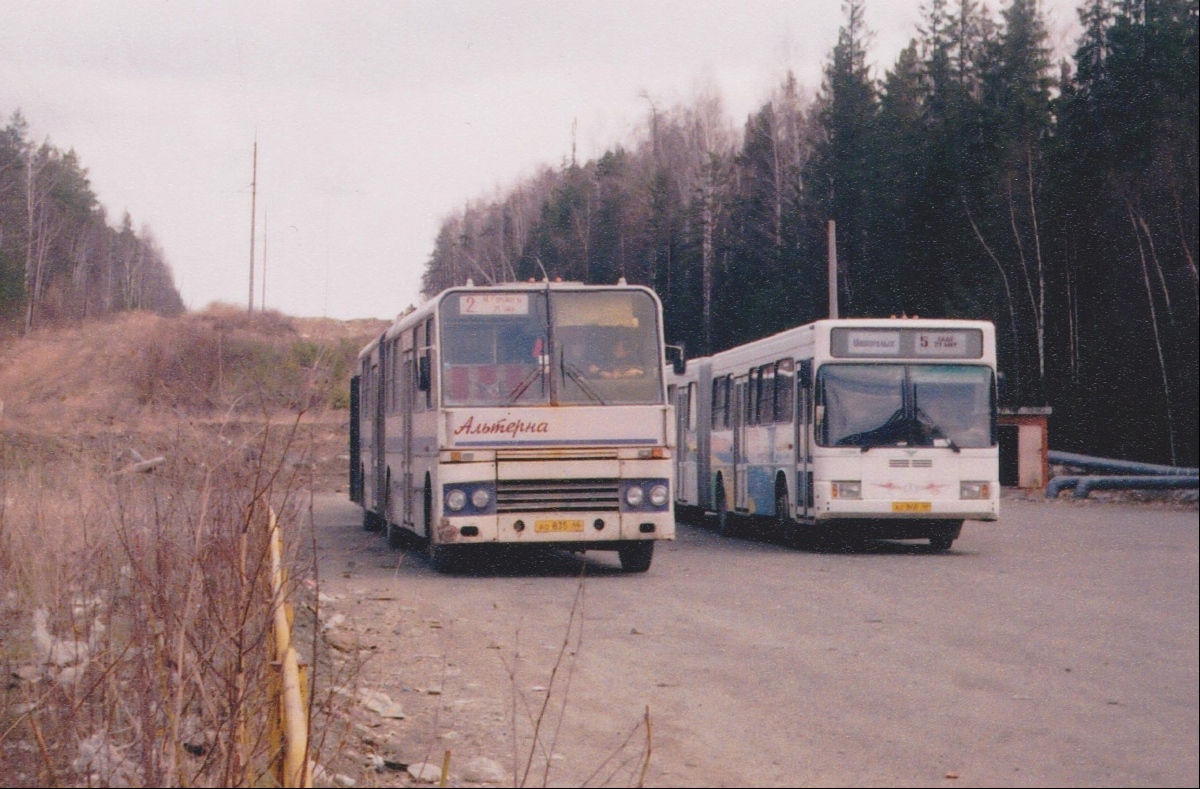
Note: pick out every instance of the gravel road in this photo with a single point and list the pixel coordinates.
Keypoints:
(1057, 647)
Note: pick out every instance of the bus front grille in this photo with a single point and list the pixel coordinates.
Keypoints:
(558, 495)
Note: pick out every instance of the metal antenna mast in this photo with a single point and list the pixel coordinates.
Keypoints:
(263, 308)
(253, 209)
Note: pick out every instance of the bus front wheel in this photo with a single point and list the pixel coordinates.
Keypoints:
(442, 558)
(636, 555)
(942, 539)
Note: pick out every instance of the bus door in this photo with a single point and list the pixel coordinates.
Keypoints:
(804, 410)
(355, 442)
(685, 449)
(739, 443)
(378, 441)
(407, 385)
(678, 397)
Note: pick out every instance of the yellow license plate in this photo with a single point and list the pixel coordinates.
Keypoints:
(557, 526)
(911, 506)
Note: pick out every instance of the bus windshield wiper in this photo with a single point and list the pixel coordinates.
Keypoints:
(932, 432)
(572, 372)
(520, 389)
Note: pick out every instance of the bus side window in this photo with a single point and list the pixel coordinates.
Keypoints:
(785, 390)
(766, 396)
(418, 397)
(399, 384)
(389, 377)
(427, 355)
(727, 410)
(753, 388)
(718, 403)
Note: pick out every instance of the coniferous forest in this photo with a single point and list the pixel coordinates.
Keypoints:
(975, 178)
(60, 260)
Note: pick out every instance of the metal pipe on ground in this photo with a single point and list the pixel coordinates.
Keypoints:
(1085, 485)
(1122, 467)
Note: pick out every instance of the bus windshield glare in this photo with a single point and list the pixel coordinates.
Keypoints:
(905, 405)
(567, 347)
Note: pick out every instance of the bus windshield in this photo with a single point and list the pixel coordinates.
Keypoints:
(905, 405)
(596, 347)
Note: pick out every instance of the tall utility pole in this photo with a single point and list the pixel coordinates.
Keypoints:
(833, 294)
(264, 281)
(253, 208)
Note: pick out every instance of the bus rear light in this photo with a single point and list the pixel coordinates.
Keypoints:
(846, 490)
(974, 490)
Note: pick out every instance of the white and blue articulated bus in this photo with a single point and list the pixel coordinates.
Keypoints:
(871, 428)
(520, 414)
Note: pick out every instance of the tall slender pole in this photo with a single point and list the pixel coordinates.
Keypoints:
(253, 209)
(264, 278)
(833, 296)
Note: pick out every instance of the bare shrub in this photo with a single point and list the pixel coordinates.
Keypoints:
(146, 659)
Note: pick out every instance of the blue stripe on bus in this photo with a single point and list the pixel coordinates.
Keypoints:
(550, 443)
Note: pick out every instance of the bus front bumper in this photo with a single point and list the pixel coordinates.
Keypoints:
(574, 528)
(888, 509)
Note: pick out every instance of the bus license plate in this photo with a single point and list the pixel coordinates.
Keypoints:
(557, 526)
(911, 506)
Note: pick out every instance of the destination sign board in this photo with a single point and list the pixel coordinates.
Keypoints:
(906, 343)
(493, 304)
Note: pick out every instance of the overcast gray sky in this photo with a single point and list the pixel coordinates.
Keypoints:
(376, 120)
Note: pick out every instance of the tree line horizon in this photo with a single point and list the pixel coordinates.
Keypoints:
(977, 178)
(60, 259)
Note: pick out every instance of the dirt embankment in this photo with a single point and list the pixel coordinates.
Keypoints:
(136, 381)
(132, 606)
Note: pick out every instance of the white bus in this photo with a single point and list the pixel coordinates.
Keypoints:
(872, 428)
(519, 414)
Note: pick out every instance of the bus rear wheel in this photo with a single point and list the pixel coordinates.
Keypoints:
(784, 525)
(370, 520)
(396, 538)
(726, 520)
(636, 555)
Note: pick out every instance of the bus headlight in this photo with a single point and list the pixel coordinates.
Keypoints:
(481, 498)
(658, 495)
(847, 490)
(973, 490)
(634, 496)
(455, 500)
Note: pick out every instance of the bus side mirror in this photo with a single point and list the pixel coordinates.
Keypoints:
(423, 373)
(677, 355)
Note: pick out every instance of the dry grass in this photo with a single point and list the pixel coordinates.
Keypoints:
(134, 607)
(135, 366)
